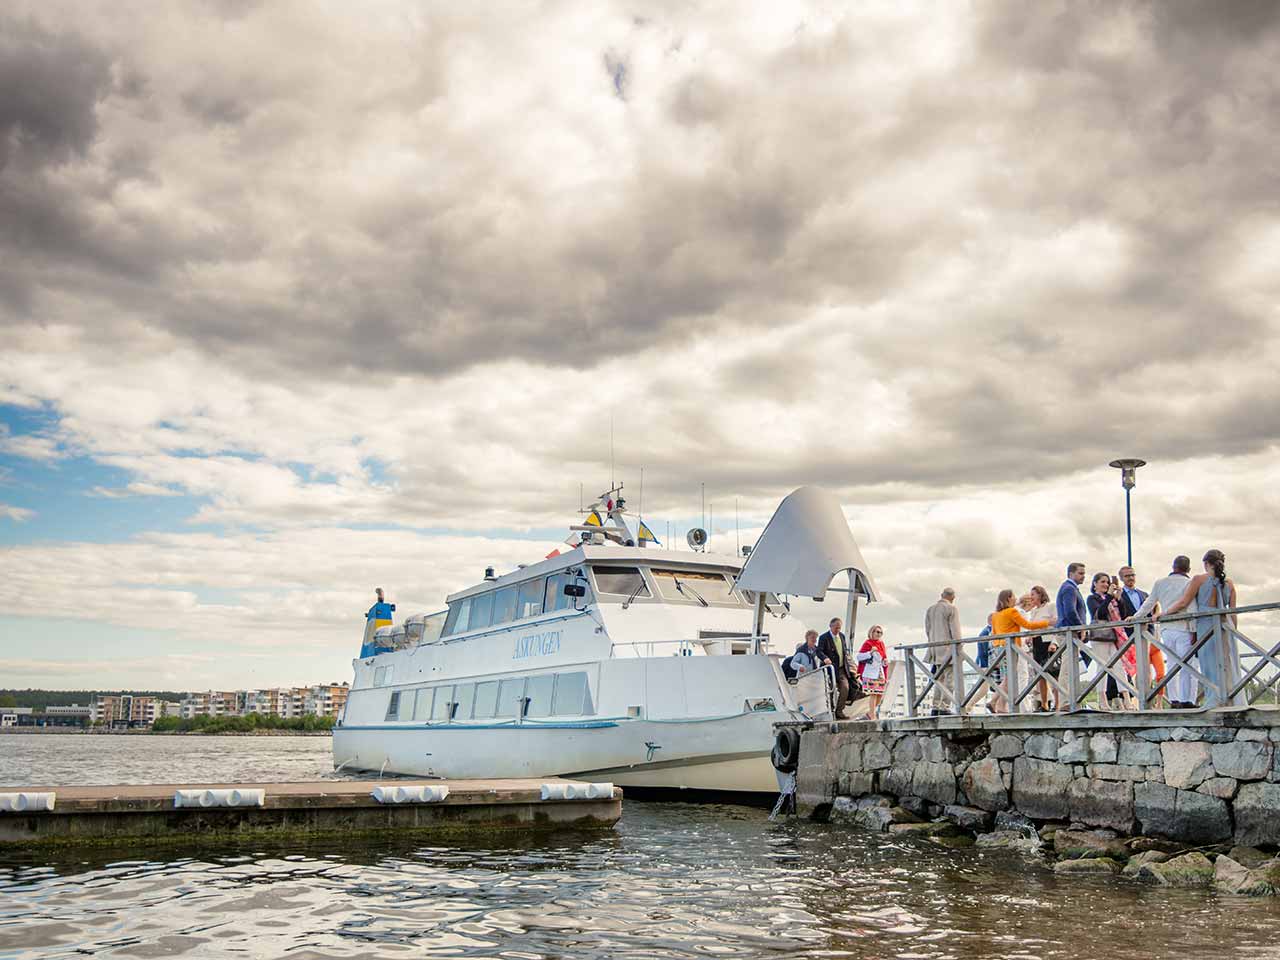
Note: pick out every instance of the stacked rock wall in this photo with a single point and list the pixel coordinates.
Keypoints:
(1136, 775)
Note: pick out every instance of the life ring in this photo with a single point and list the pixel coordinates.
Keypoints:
(786, 750)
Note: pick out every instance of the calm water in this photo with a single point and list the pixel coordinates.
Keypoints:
(672, 880)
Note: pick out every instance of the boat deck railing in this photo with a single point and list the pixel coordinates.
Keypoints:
(1216, 659)
(684, 648)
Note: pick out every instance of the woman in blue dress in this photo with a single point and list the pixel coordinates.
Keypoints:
(1218, 658)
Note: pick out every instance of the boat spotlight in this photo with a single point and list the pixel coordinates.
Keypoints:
(697, 538)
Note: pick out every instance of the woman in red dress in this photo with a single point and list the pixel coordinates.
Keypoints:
(873, 664)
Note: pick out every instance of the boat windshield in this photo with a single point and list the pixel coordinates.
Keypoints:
(697, 586)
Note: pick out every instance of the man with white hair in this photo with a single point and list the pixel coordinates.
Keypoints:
(942, 629)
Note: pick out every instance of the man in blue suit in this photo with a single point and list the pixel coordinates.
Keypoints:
(1071, 610)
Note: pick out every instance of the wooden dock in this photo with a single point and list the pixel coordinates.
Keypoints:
(98, 814)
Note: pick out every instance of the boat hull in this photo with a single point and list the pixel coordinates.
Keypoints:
(714, 754)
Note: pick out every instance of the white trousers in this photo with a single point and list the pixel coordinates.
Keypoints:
(1184, 685)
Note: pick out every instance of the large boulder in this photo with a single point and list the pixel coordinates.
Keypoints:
(1093, 865)
(1250, 857)
(896, 780)
(1242, 759)
(1103, 748)
(1082, 844)
(1256, 807)
(935, 782)
(857, 783)
(1006, 746)
(1232, 876)
(1102, 803)
(907, 751)
(1135, 752)
(968, 818)
(984, 786)
(1074, 749)
(1188, 870)
(1116, 771)
(1042, 746)
(850, 755)
(1134, 866)
(871, 813)
(1040, 788)
(1153, 806)
(1186, 763)
(1009, 840)
(876, 755)
(1200, 819)
(1224, 788)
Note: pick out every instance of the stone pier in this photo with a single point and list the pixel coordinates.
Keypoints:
(1196, 778)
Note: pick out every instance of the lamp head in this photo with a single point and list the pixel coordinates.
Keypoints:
(1128, 468)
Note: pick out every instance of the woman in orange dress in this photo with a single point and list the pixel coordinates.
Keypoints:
(1006, 620)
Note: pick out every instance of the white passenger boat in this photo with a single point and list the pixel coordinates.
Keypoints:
(615, 660)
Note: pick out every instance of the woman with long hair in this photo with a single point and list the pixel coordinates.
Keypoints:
(1218, 658)
(1007, 619)
(1105, 608)
(873, 664)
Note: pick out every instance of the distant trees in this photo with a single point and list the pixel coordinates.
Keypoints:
(37, 698)
(249, 723)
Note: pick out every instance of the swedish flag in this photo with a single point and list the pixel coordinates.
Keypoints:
(594, 520)
(646, 535)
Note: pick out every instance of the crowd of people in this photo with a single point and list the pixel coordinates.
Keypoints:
(1108, 611)
(858, 674)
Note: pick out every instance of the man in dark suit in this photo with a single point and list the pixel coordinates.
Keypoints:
(1131, 598)
(834, 649)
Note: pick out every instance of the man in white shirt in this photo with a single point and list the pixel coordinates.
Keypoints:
(1183, 687)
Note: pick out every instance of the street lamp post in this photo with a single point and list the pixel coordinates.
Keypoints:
(1128, 478)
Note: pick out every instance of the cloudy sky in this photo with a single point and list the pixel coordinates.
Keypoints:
(301, 298)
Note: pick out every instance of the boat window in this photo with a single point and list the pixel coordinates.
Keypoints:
(620, 581)
(572, 698)
(422, 705)
(459, 617)
(555, 598)
(538, 692)
(481, 611)
(504, 606)
(380, 676)
(393, 707)
(689, 585)
(486, 699)
(530, 599)
(510, 697)
(440, 708)
(465, 695)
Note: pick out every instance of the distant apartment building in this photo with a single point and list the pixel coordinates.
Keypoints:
(126, 710)
(71, 710)
(321, 700)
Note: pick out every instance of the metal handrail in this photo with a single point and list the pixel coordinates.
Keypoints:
(1229, 684)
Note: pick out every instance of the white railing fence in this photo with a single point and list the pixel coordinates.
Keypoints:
(1231, 669)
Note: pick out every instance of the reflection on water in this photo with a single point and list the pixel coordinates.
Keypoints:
(674, 880)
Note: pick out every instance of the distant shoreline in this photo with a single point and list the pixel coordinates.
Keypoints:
(165, 733)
